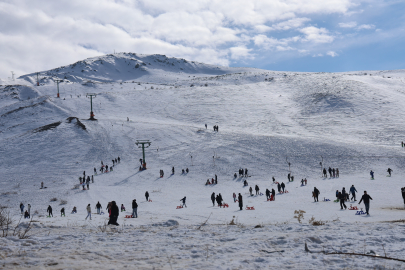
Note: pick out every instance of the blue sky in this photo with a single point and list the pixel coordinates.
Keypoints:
(289, 35)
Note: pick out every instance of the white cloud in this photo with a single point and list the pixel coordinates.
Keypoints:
(366, 26)
(290, 24)
(332, 53)
(317, 35)
(240, 52)
(348, 25)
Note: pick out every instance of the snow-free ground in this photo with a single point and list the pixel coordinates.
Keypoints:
(352, 121)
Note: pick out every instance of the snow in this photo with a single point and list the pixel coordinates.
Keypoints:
(349, 121)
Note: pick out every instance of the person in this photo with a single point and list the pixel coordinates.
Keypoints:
(26, 214)
(219, 200)
(234, 197)
(49, 210)
(274, 179)
(267, 193)
(403, 194)
(402, 144)
(353, 192)
(273, 193)
(245, 183)
(22, 208)
(282, 186)
(250, 191)
(240, 201)
(187, 170)
(279, 188)
(95, 171)
(372, 174)
(342, 200)
(344, 192)
(106, 168)
(134, 209)
(208, 182)
(147, 195)
(122, 207)
(246, 172)
(184, 201)
(62, 212)
(292, 178)
(119, 160)
(316, 194)
(113, 161)
(389, 171)
(235, 175)
(206, 126)
(366, 199)
(333, 172)
(183, 171)
(289, 177)
(92, 179)
(88, 208)
(172, 170)
(88, 183)
(83, 185)
(29, 209)
(337, 173)
(213, 198)
(257, 190)
(325, 173)
(98, 207)
(114, 213)
(302, 182)
(74, 211)
(330, 172)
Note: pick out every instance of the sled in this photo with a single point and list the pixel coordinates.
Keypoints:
(353, 208)
(270, 199)
(250, 208)
(128, 216)
(179, 207)
(281, 192)
(388, 175)
(48, 216)
(150, 200)
(236, 201)
(261, 194)
(225, 205)
(372, 178)
(360, 212)
(286, 191)
(337, 200)
(326, 200)
(275, 183)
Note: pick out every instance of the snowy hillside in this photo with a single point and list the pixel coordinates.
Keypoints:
(351, 121)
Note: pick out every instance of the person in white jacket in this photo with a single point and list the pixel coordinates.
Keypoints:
(88, 208)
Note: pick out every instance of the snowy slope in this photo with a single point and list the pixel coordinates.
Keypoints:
(350, 121)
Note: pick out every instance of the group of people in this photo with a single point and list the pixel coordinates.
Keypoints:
(217, 198)
(86, 181)
(27, 213)
(105, 168)
(213, 181)
(216, 128)
(290, 177)
(242, 173)
(332, 172)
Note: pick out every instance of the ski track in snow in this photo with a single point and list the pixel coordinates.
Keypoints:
(265, 118)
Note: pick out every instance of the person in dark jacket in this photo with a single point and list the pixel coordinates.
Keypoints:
(267, 193)
(344, 192)
(342, 200)
(240, 201)
(147, 195)
(114, 214)
(316, 194)
(251, 191)
(98, 207)
(279, 188)
(389, 171)
(213, 198)
(134, 209)
(257, 190)
(366, 198)
(282, 186)
(403, 194)
(246, 172)
(325, 174)
(219, 200)
(49, 210)
(273, 192)
(353, 192)
(330, 172)
(184, 201)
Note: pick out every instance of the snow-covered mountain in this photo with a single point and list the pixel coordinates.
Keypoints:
(266, 119)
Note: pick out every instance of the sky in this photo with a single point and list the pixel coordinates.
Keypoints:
(284, 35)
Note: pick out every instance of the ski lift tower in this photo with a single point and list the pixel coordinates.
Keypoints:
(57, 83)
(12, 75)
(91, 95)
(141, 143)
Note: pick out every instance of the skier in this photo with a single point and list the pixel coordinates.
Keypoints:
(389, 171)
(282, 186)
(114, 214)
(172, 170)
(88, 208)
(234, 197)
(49, 210)
(325, 173)
(184, 201)
(22, 208)
(250, 191)
(353, 192)
(257, 190)
(366, 198)
(213, 198)
(240, 201)
(267, 193)
(122, 207)
(273, 193)
(147, 196)
(342, 201)
(98, 207)
(372, 175)
(62, 212)
(134, 209)
(316, 194)
(279, 188)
